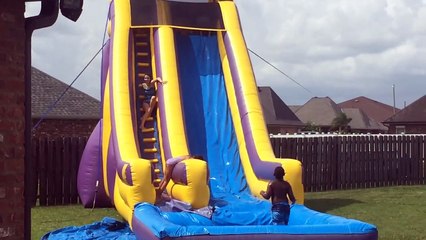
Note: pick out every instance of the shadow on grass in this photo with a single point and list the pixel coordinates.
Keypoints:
(327, 204)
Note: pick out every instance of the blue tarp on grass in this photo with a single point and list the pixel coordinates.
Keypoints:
(108, 228)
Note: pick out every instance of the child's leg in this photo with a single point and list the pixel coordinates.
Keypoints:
(145, 107)
(148, 112)
(152, 105)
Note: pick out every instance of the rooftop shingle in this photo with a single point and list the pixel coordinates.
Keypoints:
(319, 111)
(275, 111)
(75, 104)
(361, 121)
(413, 113)
(374, 109)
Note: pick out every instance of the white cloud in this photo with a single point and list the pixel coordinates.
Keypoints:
(340, 49)
(337, 48)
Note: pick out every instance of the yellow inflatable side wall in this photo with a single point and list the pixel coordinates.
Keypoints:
(172, 106)
(255, 114)
(117, 113)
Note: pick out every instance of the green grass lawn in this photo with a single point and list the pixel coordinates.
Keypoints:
(398, 212)
(46, 219)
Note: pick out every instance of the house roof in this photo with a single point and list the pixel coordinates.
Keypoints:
(413, 113)
(361, 121)
(294, 108)
(275, 111)
(74, 104)
(374, 109)
(319, 111)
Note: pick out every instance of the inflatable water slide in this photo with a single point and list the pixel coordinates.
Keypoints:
(207, 105)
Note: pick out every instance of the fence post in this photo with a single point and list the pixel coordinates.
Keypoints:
(58, 149)
(34, 173)
(42, 171)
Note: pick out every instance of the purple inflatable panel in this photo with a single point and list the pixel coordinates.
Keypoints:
(89, 172)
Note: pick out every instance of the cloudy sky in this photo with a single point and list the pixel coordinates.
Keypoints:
(337, 48)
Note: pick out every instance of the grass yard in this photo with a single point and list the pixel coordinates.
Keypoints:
(398, 212)
(46, 219)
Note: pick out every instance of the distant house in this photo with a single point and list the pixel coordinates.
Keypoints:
(75, 114)
(320, 112)
(375, 110)
(278, 116)
(362, 123)
(411, 119)
(294, 108)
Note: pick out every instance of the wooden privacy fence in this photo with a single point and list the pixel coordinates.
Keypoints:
(55, 165)
(332, 162)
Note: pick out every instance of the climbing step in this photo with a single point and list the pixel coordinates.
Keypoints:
(150, 150)
(157, 180)
(148, 130)
(149, 140)
(143, 44)
(142, 54)
(143, 64)
(141, 35)
(154, 160)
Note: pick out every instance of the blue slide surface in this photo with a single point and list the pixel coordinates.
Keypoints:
(210, 131)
